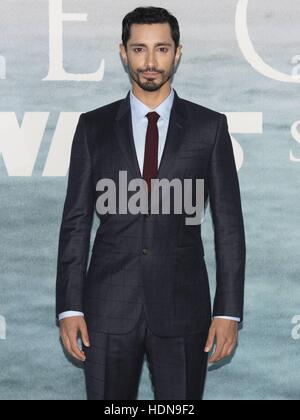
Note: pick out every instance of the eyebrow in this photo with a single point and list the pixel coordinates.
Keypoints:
(159, 44)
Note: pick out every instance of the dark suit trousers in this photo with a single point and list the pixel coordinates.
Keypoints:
(114, 364)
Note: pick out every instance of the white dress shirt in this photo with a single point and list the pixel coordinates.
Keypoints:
(139, 126)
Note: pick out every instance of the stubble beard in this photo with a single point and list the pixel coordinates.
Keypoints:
(151, 85)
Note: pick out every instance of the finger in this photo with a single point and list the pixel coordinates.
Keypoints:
(66, 343)
(210, 341)
(76, 352)
(216, 357)
(75, 356)
(68, 346)
(84, 335)
(226, 352)
(231, 348)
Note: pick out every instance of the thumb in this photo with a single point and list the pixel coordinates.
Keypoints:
(210, 341)
(85, 335)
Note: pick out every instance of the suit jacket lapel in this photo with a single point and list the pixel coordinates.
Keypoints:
(174, 138)
(175, 135)
(123, 129)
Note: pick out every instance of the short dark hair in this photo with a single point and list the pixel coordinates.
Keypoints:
(150, 15)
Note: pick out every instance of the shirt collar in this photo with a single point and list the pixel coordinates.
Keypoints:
(139, 109)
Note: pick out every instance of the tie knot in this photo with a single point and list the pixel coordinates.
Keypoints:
(153, 117)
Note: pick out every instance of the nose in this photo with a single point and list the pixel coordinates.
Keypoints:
(151, 60)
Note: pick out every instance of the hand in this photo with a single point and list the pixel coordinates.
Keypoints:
(70, 328)
(225, 332)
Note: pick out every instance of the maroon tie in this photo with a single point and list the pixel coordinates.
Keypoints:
(151, 149)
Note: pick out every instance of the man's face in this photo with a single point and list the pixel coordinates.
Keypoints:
(151, 57)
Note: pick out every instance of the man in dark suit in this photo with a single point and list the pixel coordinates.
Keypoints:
(146, 291)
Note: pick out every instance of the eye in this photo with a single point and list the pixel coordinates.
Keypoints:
(139, 49)
(164, 49)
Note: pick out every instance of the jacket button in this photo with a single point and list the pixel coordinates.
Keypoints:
(145, 251)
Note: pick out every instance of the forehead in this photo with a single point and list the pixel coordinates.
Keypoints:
(151, 33)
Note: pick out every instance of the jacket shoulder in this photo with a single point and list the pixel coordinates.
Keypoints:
(104, 112)
(200, 110)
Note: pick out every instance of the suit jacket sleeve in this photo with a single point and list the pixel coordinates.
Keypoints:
(229, 234)
(74, 238)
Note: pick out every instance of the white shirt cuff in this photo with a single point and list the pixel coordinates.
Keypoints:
(69, 314)
(230, 318)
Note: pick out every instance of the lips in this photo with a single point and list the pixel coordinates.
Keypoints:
(150, 74)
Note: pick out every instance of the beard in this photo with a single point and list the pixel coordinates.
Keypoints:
(155, 84)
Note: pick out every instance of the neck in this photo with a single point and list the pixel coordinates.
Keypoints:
(152, 99)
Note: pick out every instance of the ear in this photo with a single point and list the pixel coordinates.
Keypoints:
(123, 53)
(178, 53)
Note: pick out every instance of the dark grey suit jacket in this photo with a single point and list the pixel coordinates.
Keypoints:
(155, 261)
